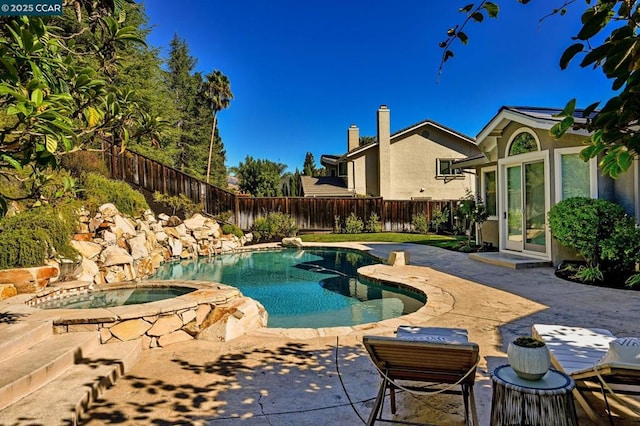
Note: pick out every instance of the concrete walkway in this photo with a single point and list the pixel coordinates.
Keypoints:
(285, 377)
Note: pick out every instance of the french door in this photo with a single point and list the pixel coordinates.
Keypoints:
(524, 213)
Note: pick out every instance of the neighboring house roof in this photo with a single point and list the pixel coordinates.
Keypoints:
(433, 124)
(329, 160)
(359, 149)
(324, 186)
(402, 132)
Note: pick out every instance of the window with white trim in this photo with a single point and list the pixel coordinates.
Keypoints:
(445, 168)
(523, 142)
(489, 191)
(574, 176)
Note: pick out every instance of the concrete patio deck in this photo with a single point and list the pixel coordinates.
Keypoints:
(309, 377)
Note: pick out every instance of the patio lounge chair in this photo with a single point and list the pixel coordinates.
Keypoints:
(424, 364)
(589, 356)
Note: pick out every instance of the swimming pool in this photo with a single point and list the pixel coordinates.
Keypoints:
(311, 287)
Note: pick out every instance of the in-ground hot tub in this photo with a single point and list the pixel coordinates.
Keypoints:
(184, 316)
(109, 297)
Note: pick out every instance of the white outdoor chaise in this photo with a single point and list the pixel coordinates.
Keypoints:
(592, 357)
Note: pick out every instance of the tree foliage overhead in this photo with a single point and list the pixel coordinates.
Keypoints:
(86, 78)
(614, 125)
(58, 90)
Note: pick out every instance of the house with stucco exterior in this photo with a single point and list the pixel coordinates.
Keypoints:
(522, 171)
(415, 163)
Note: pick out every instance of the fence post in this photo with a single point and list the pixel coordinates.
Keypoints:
(236, 207)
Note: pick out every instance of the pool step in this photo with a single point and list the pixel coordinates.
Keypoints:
(64, 400)
(26, 371)
(17, 336)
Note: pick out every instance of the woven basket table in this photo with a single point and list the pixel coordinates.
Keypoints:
(517, 401)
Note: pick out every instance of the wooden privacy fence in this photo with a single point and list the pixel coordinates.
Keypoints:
(310, 214)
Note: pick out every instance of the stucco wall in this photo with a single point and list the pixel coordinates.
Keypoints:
(365, 169)
(414, 166)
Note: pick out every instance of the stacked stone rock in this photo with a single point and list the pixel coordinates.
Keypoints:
(116, 248)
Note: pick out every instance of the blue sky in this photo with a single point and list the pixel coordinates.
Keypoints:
(303, 71)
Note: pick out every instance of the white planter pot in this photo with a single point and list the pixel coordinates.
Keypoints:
(529, 363)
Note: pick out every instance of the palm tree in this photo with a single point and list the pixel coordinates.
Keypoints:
(218, 95)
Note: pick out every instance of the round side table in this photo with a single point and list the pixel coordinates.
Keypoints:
(543, 402)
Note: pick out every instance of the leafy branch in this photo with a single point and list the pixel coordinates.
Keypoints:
(473, 14)
(614, 129)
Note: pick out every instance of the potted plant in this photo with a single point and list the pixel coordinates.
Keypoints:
(529, 357)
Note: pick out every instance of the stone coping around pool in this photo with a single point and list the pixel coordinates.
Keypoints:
(205, 292)
(212, 311)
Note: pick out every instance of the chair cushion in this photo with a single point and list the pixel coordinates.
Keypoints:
(623, 349)
(432, 334)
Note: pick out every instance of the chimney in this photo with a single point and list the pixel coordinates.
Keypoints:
(384, 151)
(353, 138)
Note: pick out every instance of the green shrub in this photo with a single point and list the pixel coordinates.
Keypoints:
(228, 229)
(584, 224)
(633, 281)
(59, 187)
(274, 227)
(353, 224)
(261, 229)
(467, 248)
(100, 190)
(223, 216)
(29, 238)
(622, 247)
(420, 223)
(589, 274)
(81, 162)
(179, 202)
(373, 224)
(471, 211)
(337, 225)
(438, 218)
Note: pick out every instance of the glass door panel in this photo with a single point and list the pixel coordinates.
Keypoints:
(514, 208)
(534, 202)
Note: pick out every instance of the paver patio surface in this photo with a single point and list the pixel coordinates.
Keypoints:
(290, 379)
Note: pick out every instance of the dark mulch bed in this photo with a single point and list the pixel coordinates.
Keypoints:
(612, 279)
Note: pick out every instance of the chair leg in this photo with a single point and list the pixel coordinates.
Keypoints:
(606, 403)
(472, 402)
(376, 406)
(465, 398)
(392, 397)
(595, 418)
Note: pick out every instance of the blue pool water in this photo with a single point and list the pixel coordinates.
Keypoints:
(302, 288)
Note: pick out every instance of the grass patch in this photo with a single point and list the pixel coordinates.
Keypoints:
(450, 242)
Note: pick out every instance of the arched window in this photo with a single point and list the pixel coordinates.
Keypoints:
(523, 142)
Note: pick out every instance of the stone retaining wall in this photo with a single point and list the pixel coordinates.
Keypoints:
(116, 248)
